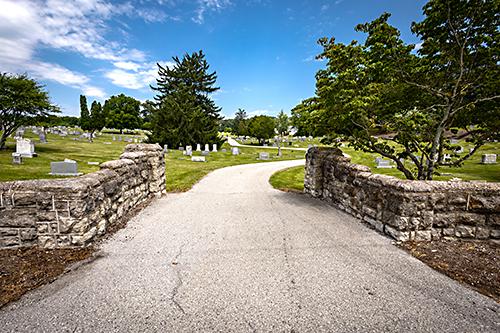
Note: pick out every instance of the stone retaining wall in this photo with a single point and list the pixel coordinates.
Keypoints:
(72, 212)
(404, 209)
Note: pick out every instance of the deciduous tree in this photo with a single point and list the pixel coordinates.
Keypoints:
(384, 86)
(20, 99)
(122, 112)
(261, 127)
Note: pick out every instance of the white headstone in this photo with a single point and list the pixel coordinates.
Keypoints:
(279, 151)
(489, 159)
(207, 147)
(234, 151)
(26, 148)
(214, 149)
(198, 159)
(189, 151)
(165, 149)
(459, 150)
(263, 156)
(198, 147)
(383, 164)
(205, 153)
(42, 137)
(66, 168)
(453, 141)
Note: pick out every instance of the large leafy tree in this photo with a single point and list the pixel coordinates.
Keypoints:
(185, 113)
(21, 98)
(383, 86)
(122, 112)
(261, 127)
(92, 120)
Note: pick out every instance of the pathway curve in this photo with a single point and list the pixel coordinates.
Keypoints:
(235, 255)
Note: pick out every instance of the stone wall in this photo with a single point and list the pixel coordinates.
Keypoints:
(404, 209)
(72, 212)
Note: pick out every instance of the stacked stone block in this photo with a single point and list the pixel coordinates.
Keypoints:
(404, 209)
(72, 212)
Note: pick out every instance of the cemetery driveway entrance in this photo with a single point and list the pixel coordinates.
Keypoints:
(235, 255)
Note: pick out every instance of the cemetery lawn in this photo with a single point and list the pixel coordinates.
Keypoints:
(289, 180)
(57, 150)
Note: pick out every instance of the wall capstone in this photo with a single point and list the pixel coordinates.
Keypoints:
(72, 212)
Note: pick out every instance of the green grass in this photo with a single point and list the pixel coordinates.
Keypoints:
(57, 150)
(182, 174)
(470, 170)
(289, 179)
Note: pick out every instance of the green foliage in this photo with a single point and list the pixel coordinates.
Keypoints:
(185, 113)
(21, 98)
(240, 122)
(282, 123)
(122, 112)
(261, 127)
(94, 120)
(382, 86)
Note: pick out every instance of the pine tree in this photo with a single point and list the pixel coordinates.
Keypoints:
(185, 114)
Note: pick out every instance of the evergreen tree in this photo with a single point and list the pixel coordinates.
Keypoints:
(91, 121)
(185, 114)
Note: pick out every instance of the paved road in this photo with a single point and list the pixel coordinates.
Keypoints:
(235, 255)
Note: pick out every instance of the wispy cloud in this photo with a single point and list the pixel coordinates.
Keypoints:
(258, 112)
(325, 7)
(204, 5)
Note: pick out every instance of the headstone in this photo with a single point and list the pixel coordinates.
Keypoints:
(383, 164)
(263, 156)
(453, 141)
(127, 138)
(207, 147)
(234, 151)
(181, 148)
(119, 138)
(198, 147)
(19, 133)
(165, 149)
(17, 159)
(342, 145)
(205, 153)
(315, 145)
(275, 144)
(214, 148)
(459, 150)
(93, 163)
(135, 140)
(114, 138)
(446, 157)
(198, 159)
(26, 148)
(279, 151)
(189, 151)
(223, 150)
(489, 159)
(378, 158)
(265, 144)
(42, 137)
(66, 168)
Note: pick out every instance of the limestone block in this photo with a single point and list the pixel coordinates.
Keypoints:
(28, 234)
(423, 235)
(444, 220)
(18, 217)
(464, 231)
(10, 241)
(396, 221)
(24, 198)
(63, 241)
(396, 234)
(495, 233)
(78, 208)
(494, 220)
(436, 234)
(471, 219)
(482, 233)
(4, 232)
(376, 224)
(46, 242)
(42, 228)
(448, 232)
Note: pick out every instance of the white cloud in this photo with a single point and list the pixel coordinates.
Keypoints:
(418, 46)
(135, 76)
(204, 5)
(247, 89)
(325, 7)
(258, 112)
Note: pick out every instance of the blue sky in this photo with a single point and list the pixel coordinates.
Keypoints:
(262, 50)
